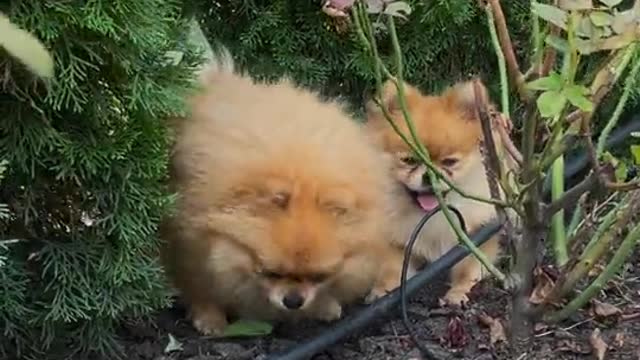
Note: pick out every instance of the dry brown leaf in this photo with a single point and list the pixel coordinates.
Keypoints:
(496, 330)
(619, 340)
(603, 309)
(595, 270)
(456, 335)
(598, 346)
(540, 327)
(571, 346)
(544, 285)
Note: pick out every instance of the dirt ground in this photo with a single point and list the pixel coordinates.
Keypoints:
(462, 333)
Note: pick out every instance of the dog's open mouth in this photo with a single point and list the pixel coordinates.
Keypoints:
(426, 200)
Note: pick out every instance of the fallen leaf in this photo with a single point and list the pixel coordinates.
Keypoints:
(544, 285)
(540, 327)
(173, 345)
(456, 335)
(619, 340)
(595, 270)
(572, 347)
(247, 328)
(603, 309)
(496, 330)
(598, 345)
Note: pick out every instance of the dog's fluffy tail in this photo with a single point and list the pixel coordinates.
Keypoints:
(221, 62)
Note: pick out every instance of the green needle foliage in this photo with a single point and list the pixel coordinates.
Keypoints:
(86, 164)
(442, 41)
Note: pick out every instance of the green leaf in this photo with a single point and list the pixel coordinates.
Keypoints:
(25, 47)
(584, 27)
(551, 14)
(635, 152)
(550, 103)
(551, 82)
(619, 166)
(611, 3)
(601, 18)
(575, 4)
(576, 94)
(621, 171)
(246, 328)
(623, 21)
(557, 43)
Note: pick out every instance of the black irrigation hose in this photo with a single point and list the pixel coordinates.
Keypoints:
(358, 321)
(577, 163)
(408, 250)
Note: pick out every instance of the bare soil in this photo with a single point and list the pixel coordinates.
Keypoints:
(462, 333)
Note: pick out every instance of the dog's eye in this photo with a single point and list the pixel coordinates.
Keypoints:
(409, 160)
(449, 162)
(318, 277)
(270, 274)
(281, 200)
(338, 210)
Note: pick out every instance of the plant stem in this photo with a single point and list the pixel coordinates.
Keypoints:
(576, 218)
(613, 120)
(517, 78)
(558, 233)
(624, 251)
(504, 82)
(597, 247)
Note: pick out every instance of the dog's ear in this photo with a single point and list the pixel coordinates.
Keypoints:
(388, 98)
(462, 96)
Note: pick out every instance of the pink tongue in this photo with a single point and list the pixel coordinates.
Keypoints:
(427, 202)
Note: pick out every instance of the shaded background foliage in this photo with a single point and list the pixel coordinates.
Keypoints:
(442, 41)
(87, 157)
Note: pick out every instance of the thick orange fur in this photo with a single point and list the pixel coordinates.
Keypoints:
(279, 194)
(448, 126)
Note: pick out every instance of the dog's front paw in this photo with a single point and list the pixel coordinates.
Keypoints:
(455, 298)
(208, 320)
(375, 294)
(330, 310)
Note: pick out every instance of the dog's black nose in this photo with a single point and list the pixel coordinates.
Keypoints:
(293, 300)
(426, 180)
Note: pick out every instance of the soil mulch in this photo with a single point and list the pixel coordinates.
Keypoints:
(472, 333)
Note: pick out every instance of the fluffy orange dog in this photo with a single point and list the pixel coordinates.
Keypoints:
(448, 127)
(281, 205)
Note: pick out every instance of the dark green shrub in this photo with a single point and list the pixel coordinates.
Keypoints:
(443, 41)
(87, 158)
